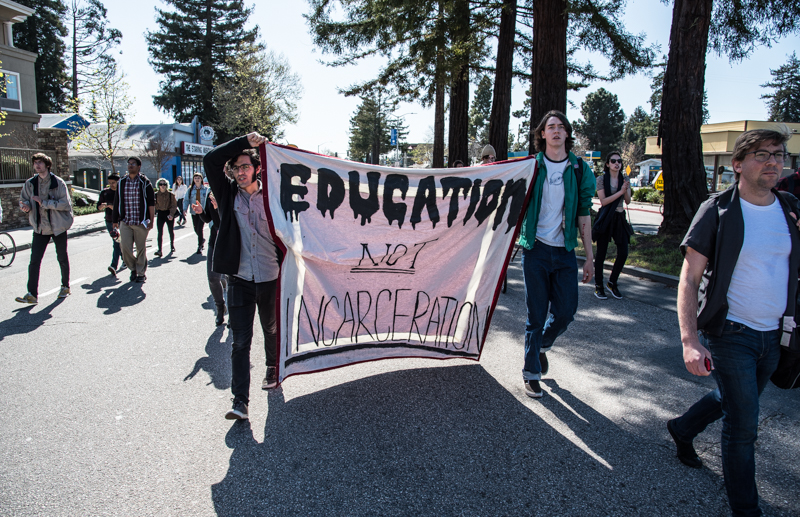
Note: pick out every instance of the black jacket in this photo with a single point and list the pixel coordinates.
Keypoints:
(229, 242)
(210, 215)
(146, 200)
(717, 232)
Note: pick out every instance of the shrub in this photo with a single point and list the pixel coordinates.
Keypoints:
(640, 194)
(655, 197)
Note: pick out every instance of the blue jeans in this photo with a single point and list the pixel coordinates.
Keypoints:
(117, 253)
(243, 299)
(744, 360)
(551, 281)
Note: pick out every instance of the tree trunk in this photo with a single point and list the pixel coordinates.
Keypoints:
(501, 98)
(549, 61)
(682, 115)
(458, 142)
(438, 128)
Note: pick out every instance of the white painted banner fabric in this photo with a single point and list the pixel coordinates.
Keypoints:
(384, 262)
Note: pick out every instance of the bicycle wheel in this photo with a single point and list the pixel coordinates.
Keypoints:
(8, 250)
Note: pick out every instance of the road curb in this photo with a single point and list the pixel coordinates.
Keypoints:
(77, 233)
(669, 280)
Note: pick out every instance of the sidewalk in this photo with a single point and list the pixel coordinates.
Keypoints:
(83, 224)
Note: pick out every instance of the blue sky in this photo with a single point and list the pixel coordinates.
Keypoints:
(733, 88)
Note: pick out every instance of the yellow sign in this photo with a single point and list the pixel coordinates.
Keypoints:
(628, 170)
(659, 182)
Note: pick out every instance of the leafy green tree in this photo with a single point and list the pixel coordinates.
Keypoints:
(370, 128)
(42, 34)
(603, 121)
(784, 102)
(190, 48)
(727, 27)
(259, 93)
(91, 42)
(480, 111)
(657, 93)
(638, 127)
(109, 105)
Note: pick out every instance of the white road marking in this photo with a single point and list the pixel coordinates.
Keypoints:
(57, 289)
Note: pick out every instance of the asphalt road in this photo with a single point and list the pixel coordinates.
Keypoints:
(113, 403)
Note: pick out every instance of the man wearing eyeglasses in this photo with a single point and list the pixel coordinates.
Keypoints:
(244, 251)
(740, 269)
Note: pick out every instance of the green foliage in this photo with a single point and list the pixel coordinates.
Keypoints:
(480, 111)
(42, 34)
(784, 102)
(370, 129)
(648, 195)
(259, 94)
(657, 93)
(190, 48)
(638, 127)
(91, 208)
(653, 252)
(603, 121)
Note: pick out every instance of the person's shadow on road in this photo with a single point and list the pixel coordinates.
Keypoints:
(194, 258)
(434, 440)
(25, 319)
(126, 295)
(101, 283)
(217, 362)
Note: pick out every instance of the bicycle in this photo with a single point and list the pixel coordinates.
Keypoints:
(8, 250)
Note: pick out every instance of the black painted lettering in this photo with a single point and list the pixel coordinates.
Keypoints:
(395, 315)
(362, 315)
(462, 344)
(394, 253)
(365, 251)
(457, 184)
(474, 198)
(330, 191)
(431, 321)
(426, 196)
(421, 245)
(516, 190)
(446, 333)
(310, 323)
(347, 303)
(288, 171)
(489, 200)
(365, 208)
(322, 323)
(418, 314)
(395, 211)
(377, 301)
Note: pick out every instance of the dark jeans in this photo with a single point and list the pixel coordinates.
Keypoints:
(621, 239)
(216, 283)
(744, 360)
(38, 247)
(198, 229)
(162, 216)
(243, 299)
(181, 214)
(117, 253)
(551, 279)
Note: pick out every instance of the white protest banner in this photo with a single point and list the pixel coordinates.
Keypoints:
(383, 262)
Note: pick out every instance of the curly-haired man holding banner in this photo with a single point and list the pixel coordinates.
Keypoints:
(246, 253)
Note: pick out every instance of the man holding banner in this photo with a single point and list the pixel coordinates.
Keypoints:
(246, 253)
(558, 209)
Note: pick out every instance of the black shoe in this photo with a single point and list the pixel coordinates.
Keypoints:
(686, 452)
(533, 390)
(140, 279)
(133, 276)
(614, 291)
(238, 411)
(271, 379)
(112, 271)
(543, 361)
(171, 248)
(199, 251)
(157, 253)
(600, 293)
(221, 310)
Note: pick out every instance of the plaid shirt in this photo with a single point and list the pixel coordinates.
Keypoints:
(133, 194)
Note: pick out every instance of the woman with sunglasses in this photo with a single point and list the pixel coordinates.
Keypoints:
(612, 189)
(197, 193)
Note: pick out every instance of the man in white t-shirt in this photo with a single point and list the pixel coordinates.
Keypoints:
(558, 211)
(743, 249)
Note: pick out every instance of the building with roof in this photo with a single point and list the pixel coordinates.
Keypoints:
(166, 151)
(718, 140)
(72, 122)
(19, 77)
